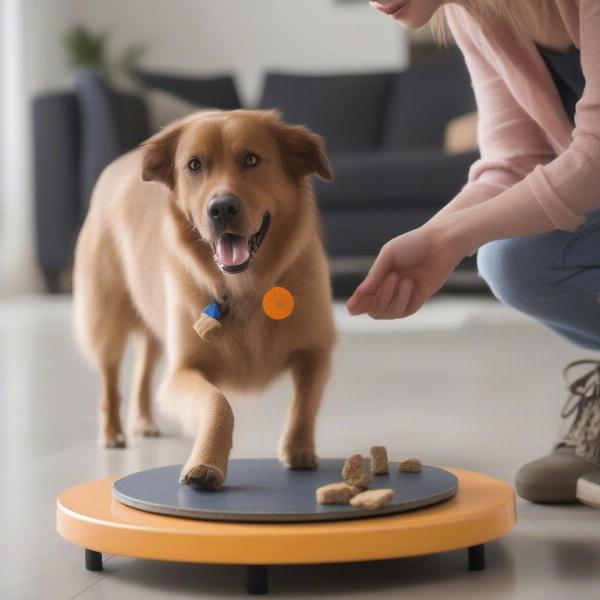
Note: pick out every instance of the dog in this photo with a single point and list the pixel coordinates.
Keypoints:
(217, 207)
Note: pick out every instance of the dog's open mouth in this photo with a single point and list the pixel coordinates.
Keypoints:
(233, 252)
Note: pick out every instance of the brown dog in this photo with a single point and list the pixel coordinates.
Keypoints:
(217, 207)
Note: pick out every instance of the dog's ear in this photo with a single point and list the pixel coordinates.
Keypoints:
(158, 163)
(302, 151)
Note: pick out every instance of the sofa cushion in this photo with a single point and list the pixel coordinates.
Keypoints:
(215, 92)
(393, 180)
(421, 102)
(346, 109)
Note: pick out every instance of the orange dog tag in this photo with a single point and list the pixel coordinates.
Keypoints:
(278, 303)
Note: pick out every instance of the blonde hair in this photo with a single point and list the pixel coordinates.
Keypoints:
(488, 13)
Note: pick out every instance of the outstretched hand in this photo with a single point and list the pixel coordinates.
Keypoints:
(408, 271)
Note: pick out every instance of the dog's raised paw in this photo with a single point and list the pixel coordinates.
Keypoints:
(299, 459)
(203, 477)
(146, 428)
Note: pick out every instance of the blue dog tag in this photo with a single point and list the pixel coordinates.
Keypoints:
(213, 310)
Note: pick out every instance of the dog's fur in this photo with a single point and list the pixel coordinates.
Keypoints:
(145, 265)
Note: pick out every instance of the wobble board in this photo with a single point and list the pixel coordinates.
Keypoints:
(263, 491)
(483, 509)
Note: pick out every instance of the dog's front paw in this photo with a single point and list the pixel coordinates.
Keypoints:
(146, 428)
(203, 477)
(299, 458)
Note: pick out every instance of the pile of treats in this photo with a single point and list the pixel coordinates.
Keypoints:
(353, 490)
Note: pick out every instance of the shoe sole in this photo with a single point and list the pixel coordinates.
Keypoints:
(588, 493)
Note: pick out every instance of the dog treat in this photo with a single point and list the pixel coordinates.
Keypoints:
(363, 481)
(379, 460)
(372, 499)
(353, 467)
(410, 465)
(208, 326)
(353, 472)
(336, 493)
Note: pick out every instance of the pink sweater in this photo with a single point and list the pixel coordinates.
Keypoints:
(524, 132)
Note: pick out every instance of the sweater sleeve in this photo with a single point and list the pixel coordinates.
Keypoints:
(511, 143)
(569, 186)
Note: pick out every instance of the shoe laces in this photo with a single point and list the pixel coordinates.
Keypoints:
(584, 400)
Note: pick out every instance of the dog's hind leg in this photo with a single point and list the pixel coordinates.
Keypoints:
(104, 318)
(106, 347)
(310, 370)
(109, 347)
(110, 402)
(147, 352)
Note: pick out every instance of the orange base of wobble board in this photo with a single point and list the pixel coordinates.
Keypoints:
(483, 510)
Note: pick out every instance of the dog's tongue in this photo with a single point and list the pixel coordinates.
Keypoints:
(232, 250)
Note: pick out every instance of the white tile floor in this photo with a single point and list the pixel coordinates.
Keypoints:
(465, 383)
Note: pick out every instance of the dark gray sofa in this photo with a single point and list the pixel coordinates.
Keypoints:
(384, 135)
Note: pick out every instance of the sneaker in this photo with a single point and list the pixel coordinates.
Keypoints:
(553, 478)
(588, 489)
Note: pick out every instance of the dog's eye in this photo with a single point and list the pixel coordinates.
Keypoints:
(251, 160)
(195, 164)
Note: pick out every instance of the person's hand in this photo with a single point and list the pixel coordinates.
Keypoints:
(408, 270)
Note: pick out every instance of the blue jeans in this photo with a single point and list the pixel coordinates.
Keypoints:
(554, 277)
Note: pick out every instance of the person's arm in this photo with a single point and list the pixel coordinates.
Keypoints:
(510, 142)
(501, 217)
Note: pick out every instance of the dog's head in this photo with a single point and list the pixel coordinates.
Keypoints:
(235, 176)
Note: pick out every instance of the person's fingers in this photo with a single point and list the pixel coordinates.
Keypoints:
(359, 304)
(399, 303)
(353, 303)
(377, 273)
(415, 303)
(385, 313)
(407, 288)
(385, 294)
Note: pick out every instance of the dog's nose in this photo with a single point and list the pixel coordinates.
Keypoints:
(223, 208)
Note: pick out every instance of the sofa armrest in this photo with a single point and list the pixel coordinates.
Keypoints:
(56, 192)
(111, 124)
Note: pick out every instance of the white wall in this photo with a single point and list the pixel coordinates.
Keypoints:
(247, 37)
(45, 23)
(31, 61)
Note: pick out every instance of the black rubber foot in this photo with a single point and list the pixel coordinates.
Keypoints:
(93, 560)
(477, 558)
(256, 579)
